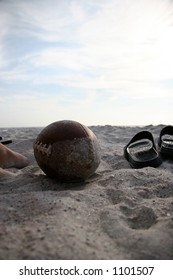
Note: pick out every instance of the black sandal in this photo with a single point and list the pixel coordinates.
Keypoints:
(141, 151)
(165, 143)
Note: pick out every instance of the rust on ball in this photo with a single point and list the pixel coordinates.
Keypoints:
(67, 150)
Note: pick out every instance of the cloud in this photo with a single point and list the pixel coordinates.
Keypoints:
(116, 44)
(71, 55)
(48, 20)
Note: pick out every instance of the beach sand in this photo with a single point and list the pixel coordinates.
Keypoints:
(118, 213)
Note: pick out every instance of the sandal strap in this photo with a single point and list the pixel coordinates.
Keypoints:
(139, 136)
(166, 130)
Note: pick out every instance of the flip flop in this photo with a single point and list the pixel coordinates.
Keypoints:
(165, 142)
(141, 151)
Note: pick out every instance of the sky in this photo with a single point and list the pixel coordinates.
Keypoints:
(98, 62)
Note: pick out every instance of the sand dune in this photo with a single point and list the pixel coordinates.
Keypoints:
(119, 213)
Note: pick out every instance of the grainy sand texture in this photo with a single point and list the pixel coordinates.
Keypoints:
(118, 213)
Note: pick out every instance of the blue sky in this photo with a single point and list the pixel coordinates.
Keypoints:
(94, 61)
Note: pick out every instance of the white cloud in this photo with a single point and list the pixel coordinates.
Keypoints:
(59, 57)
(122, 49)
(47, 20)
(117, 44)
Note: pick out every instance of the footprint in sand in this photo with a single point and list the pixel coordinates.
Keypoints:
(115, 196)
(113, 225)
(164, 191)
(140, 217)
(132, 216)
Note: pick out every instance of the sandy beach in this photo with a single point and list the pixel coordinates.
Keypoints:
(118, 213)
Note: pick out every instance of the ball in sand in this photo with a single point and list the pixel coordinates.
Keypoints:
(67, 150)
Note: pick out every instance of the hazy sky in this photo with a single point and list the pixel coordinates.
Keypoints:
(94, 61)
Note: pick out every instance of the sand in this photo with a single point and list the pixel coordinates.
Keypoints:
(119, 213)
